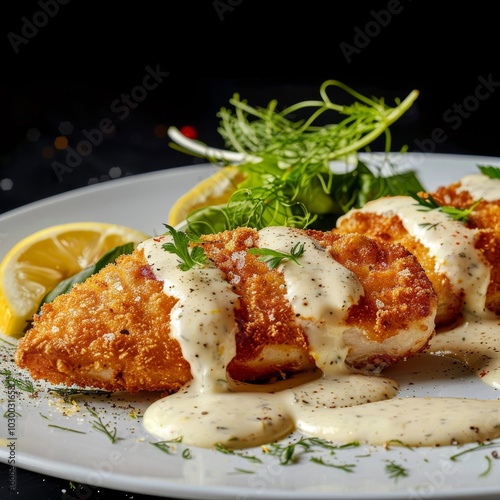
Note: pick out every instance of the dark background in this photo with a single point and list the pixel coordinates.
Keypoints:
(64, 76)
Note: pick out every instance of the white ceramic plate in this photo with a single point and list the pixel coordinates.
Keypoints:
(64, 439)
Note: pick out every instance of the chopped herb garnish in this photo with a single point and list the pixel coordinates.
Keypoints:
(427, 202)
(344, 467)
(8, 414)
(489, 466)
(397, 442)
(169, 447)
(66, 429)
(99, 425)
(395, 471)
(480, 446)
(23, 385)
(288, 454)
(238, 470)
(228, 451)
(273, 258)
(189, 257)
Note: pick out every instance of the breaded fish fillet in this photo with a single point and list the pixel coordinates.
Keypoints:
(114, 330)
(485, 217)
(390, 228)
(471, 246)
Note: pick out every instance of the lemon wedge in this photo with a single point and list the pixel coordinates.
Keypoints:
(37, 263)
(214, 190)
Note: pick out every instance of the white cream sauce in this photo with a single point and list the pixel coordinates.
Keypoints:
(333, 403)
(449, 241)
(480, 187)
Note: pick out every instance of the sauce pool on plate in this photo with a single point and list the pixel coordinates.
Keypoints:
(332, 403)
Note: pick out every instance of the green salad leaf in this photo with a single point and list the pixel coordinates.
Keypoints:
(66, 285)
(286, 157)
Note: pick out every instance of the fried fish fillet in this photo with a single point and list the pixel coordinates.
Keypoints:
(113, 331)
(481, 231)
(485, 217)
(390, 228)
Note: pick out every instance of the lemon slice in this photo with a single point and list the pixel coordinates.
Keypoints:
(213, 190)
(37, 263)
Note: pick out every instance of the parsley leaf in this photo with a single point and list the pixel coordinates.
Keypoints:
(189, 257)
(490, 171)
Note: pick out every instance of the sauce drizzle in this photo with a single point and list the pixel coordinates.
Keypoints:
(333, 403)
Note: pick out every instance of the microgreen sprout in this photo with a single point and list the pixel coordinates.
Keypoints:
(285, 155)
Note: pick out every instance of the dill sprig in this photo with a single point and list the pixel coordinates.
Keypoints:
(273, 257)
(229, 451)
(169, 447)
(395, 471)
(22, 385)
(344, 467)
(66, 429)
(480, 446)
(489, 466)
(189, 257)
(100, 426)
(289, 453)
(427, 202)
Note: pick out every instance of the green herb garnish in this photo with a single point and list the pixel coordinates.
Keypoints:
(490, 171)
(23, 385)
(273, 258)
(99, 425)
(429, 203)
(167, 447)
(288, 454)
(480, 446)
(66, 429)
(229, 451)
(189, 257)
(489, 466)
(395, 471)
(344, 467)
(286, 155)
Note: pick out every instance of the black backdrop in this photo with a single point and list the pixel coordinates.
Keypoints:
(68, 66)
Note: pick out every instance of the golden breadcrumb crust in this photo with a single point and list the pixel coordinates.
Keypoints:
(486, 218)
(391, 230)
(113, 331)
